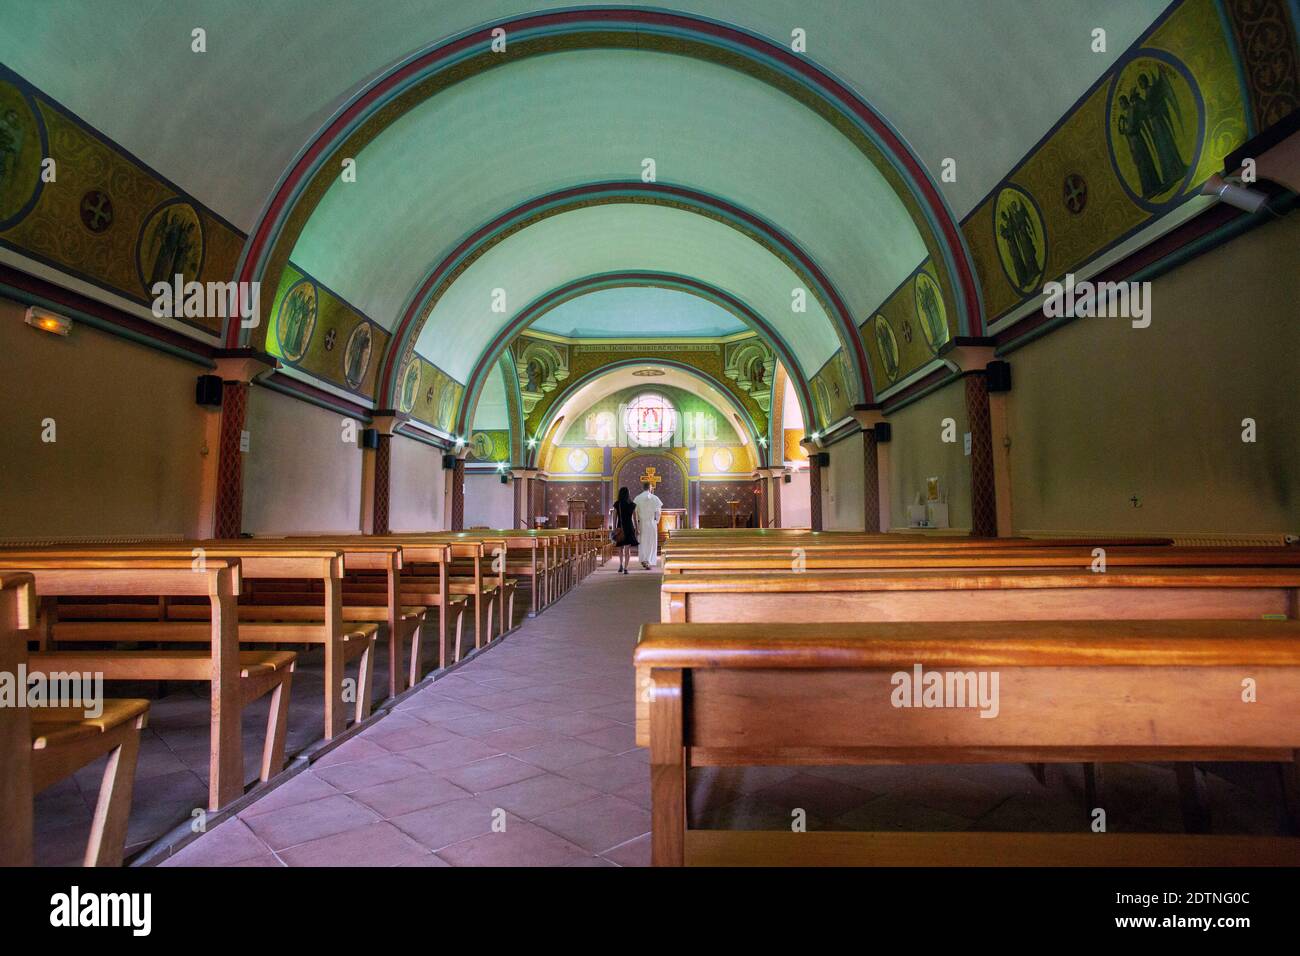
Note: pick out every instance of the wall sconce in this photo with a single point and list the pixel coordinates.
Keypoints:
(48, 321)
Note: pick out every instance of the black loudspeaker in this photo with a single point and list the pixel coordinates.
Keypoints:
(884, 431)
(787, 479)
(207, 390)
(998, 375)
(505, 479)
(448, 462)
(823, 458)
(370, 438)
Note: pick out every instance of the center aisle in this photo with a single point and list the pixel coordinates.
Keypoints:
(523, 756)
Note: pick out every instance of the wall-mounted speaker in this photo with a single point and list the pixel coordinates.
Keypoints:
(998, 375)
(448, 462)
(370, 438)
(787, 478)
(505, 479)
(207, 391)
(823, 458)
(884, 431)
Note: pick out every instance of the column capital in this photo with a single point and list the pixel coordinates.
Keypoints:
(386, 421)
(868, 416)
(970, 358)
(244, 365)
(809, 446)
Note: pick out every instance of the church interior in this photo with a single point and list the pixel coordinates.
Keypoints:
(946, 352)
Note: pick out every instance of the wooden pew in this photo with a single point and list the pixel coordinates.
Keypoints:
(975, 594)
(728, 562)
(731, 695)
(235, 677)
(343, 641)
(420, 582)
(41, 746)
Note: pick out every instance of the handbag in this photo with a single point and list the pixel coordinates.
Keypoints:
(617, 535)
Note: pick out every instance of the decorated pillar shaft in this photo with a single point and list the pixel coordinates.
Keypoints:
(983, 494)
(229, 514)
(870, 482)
(814, 492)
(458, 495)
(383, 461)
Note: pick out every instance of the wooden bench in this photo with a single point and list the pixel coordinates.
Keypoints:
(1005, 558)
(41, 746)
(235, 677)
(343, 641)
(729, 695)
(965, 594)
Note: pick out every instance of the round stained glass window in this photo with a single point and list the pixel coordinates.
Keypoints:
(650, 421)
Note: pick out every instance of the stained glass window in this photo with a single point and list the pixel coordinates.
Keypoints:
(650, 420)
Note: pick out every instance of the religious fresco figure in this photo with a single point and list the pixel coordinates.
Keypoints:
(1151, 123)
(887, 346)
(297, 317)
(1163, 113)
(357, 355)
(175, 243)
(11, 145)
(534, 375)
(929, 304)
(1129, 125)
(410, 384)
(1017, 229)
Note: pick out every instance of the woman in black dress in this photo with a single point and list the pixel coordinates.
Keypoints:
(623, 521)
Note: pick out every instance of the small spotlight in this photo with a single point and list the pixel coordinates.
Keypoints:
(1240, 196)
(48, 321)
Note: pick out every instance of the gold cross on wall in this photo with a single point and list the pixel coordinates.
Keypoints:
(651, 478)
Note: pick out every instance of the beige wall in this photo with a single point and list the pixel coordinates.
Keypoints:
(299, 474)
(488, 502)
(917, 451)
(1100, 411)
(417, 486)
(794, 501)
(842, 486)
(127, 458)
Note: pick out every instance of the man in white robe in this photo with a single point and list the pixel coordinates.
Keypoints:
(648, 508)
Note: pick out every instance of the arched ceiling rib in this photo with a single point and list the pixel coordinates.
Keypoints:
(608, 238)
(589, 285)
(604, 383)
(982, 88)
(639, 311)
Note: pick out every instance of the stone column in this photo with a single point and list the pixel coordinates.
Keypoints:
(376, 472)
(237, 371)
(458, 492)
(872, 491)
(973, 361)
(778, 479)
(983, 492)
(814, 485)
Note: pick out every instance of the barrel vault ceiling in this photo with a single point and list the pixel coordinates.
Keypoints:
(802, 204)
